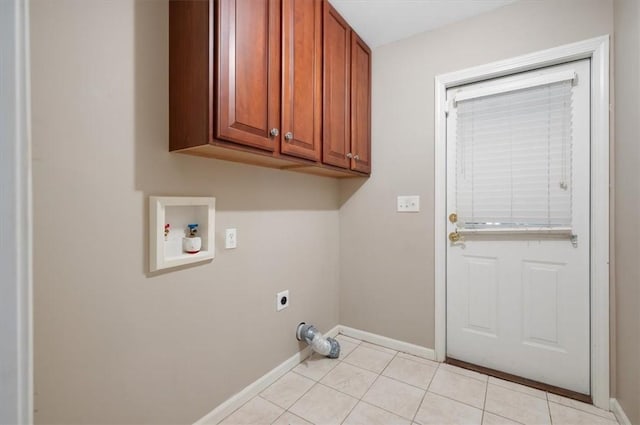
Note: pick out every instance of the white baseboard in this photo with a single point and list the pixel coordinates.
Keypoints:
(620, 415)
(394, 344)
(256, 387)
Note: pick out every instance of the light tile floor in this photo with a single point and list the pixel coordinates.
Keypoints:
(373, 385)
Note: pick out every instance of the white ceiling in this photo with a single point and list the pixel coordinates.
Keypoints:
(380, 22)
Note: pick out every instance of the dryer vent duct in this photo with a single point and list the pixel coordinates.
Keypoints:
(323, 345)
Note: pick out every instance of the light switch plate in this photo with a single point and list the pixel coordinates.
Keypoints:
(408, 203)
(230, 239)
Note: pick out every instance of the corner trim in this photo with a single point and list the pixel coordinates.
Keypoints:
(597, 49)
(391, 343)
(616, 408)
(234, 402)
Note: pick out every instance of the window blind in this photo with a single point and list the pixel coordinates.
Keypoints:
(513, 158)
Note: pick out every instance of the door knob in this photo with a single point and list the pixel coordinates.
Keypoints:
(288, 136)
(453, 217)
(274, 132)
(349, 155)
(454, 236)
(356, 157)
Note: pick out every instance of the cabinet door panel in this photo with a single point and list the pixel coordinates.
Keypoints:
(248, 72)
(335, 120)
(360, 104)
(302, 77)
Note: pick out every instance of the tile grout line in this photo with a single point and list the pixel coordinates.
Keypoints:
(458, 401)
(549, 410)
(512, 390)
(425, 393)
(484, 404)
(292, 414)
(267, 401)
(281, 415)
(360, 400)
(243, 404)
(298, 399)
(302, 395)
(435, 364)
(580, 410)
(450, 398)
(378, 351)
(451, 370)
(249, 401)
(361, 397)
(387, 411)
(560, 403)
(519, 391)
(403, 382)
(316, 382)
(406, 383)
(504, 417)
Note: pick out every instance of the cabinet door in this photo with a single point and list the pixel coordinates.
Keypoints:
(248, 73)
(301, 78)
(335, 120)
(360, 105)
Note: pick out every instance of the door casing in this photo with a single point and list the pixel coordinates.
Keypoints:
(16, 251)
(596, 49)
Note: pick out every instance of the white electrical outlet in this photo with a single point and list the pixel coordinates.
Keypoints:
(230, 239)
(408, 203)
(282, 300)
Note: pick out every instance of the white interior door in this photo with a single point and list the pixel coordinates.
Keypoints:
(518, 151)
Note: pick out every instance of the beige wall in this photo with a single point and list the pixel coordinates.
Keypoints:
(387, 270)
(112, 344)
(627, 205)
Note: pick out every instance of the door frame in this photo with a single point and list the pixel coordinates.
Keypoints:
(16, 324)
(596, 49)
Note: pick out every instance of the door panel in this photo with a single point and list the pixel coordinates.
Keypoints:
(480, 294)
(519, 302)
(360, 104)
(249, 72)
(302, 78)
(540, 282)
(336, 87)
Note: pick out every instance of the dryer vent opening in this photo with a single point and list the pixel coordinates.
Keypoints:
(320, 344)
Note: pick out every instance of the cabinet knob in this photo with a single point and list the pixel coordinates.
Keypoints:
(356, 157)
(349, 155)
(274, 132)
(288, 136)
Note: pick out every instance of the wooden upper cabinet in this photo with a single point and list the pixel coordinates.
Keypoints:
(302, 78)
(347, 95)
(360, 105)
(275, 83)
(248, 69)
(336, 86)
